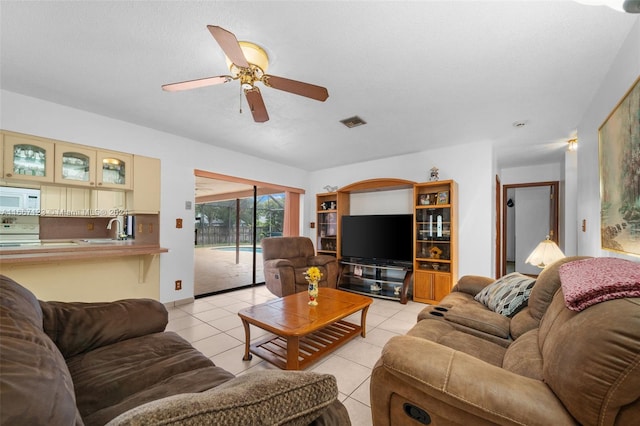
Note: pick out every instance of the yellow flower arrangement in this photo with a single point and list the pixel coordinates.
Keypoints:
(313, 274)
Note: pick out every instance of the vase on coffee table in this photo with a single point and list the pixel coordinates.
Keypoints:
(313, 293)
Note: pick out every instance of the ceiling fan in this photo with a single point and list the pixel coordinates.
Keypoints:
(248, 63)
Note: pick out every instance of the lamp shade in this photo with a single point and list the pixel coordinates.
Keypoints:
(545, 254)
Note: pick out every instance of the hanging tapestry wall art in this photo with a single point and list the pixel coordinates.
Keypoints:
(619, 139)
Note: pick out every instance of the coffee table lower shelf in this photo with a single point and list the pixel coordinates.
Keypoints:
(296, 353)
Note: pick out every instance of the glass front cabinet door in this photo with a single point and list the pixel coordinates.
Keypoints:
(28, 158)
(114, 170)
(75, 165)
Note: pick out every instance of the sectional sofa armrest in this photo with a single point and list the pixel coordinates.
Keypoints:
(472, 284)
(80, 327)
(265, 397)
(456, 387)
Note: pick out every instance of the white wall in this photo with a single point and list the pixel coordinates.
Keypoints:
(471, 166)
(622, 74)
(179, 157)
(538, 173)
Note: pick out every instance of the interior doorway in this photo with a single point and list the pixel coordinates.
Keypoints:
(529, 214)
(232, 215)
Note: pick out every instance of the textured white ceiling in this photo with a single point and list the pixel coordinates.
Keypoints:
(421, 74)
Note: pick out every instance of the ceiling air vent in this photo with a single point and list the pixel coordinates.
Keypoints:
(354, 121)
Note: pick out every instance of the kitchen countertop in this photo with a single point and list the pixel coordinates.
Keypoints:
(76, 249)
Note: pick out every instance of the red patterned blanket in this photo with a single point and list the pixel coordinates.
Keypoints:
(590, 281)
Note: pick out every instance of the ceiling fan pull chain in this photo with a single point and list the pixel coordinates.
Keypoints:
(240, 99)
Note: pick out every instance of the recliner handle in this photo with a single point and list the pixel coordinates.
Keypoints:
(417, 413)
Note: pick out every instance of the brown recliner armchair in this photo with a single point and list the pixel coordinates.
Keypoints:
(285, 261)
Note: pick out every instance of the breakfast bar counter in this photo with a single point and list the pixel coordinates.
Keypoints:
(66, 250)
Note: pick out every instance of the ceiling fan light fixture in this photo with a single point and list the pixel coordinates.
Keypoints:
(255, 55)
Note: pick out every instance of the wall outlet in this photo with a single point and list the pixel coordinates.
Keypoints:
(140, 228)
(178, 223)
(89, 226)
(151, 228)
(178, 284)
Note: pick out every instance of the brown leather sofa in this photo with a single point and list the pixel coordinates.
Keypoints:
(112, 363)
(286, 259)
(463, 313)
(558, 367)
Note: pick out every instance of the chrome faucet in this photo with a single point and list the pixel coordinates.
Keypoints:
(119, 235)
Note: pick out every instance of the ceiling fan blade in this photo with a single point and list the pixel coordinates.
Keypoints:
(229, 44)
(312, 91)
(193, 84)
(256, 104)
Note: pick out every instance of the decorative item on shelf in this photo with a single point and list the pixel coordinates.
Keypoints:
(330, 188)
(545, 254)
(313, 276)
(433, 174)
(424, 199)
(396, 290)
(375, 287)
(443, 197)
(435, 252)
(435, 266)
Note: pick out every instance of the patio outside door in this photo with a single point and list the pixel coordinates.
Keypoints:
(227, 241)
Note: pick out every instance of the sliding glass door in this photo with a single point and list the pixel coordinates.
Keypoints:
(228, 232)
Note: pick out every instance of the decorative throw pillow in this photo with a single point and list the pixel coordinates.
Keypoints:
(270, 397)
(508, 294)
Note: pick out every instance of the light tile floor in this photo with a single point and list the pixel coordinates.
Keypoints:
(213, 327)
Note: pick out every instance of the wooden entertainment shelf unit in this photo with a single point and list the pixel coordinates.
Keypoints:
(434, 218)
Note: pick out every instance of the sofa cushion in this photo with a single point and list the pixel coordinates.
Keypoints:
(81, 327)
(480, 319)
(188, 382)
(523, 356)
(547, 284)
(592, 358)
(448, 335)
(508, 294)
(131, 369)
(35, 384)
(265, 397)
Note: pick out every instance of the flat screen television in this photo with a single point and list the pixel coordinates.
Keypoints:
(383, 238)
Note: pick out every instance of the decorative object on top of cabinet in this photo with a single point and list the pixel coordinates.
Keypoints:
(330, 188)
(433, 174)
(435, 240)
(329, 208)
(27, 158)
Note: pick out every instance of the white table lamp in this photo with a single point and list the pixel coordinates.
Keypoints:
(545, 254)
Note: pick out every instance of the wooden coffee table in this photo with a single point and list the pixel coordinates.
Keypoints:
(303, 333)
